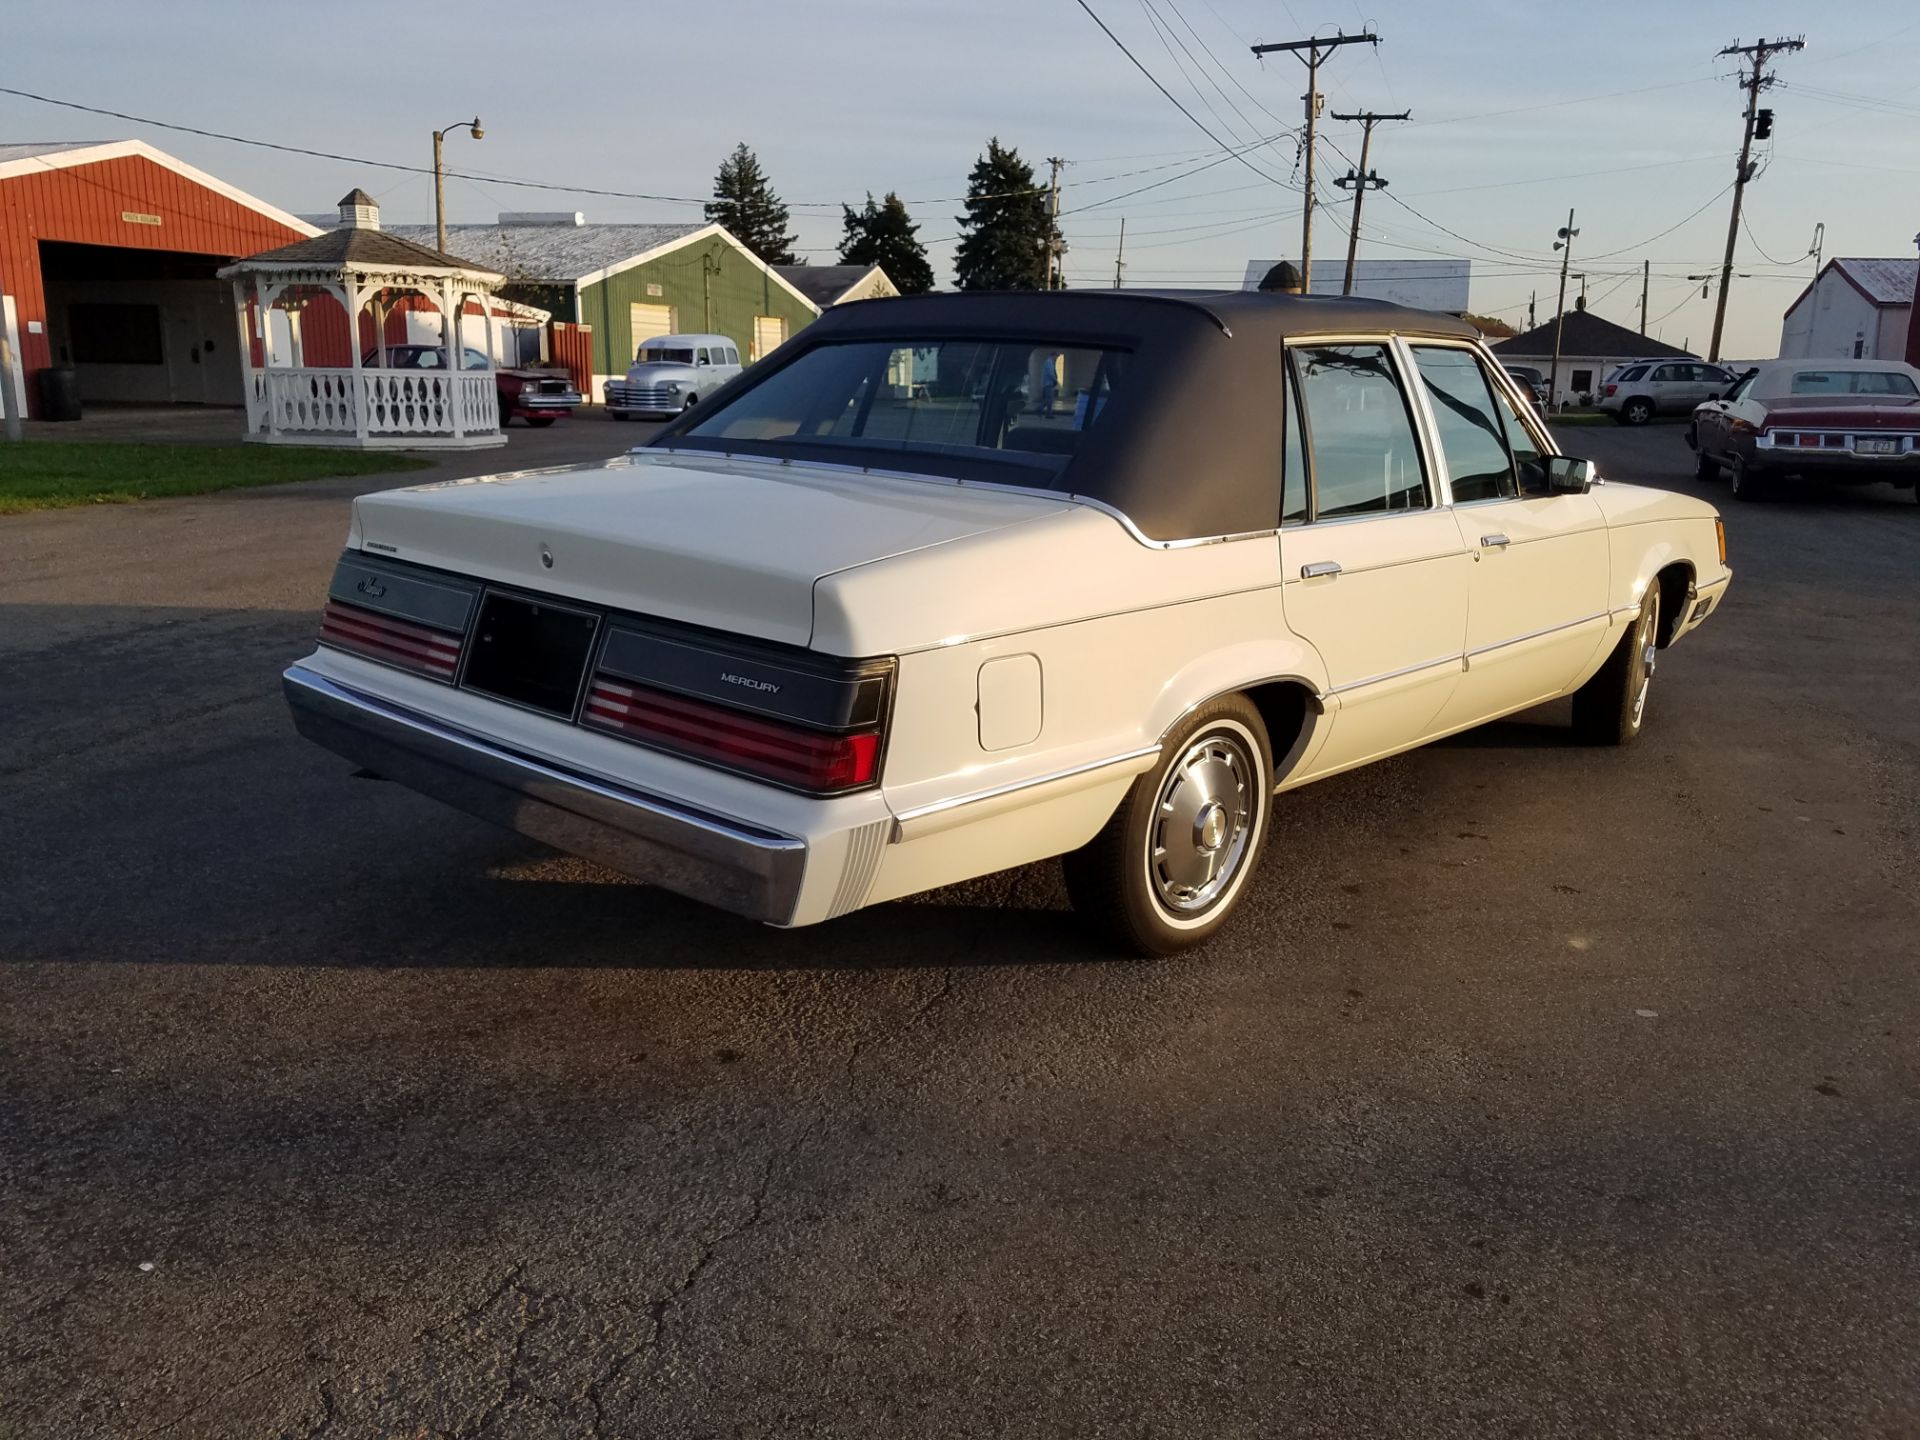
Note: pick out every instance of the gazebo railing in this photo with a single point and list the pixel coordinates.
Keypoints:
(393, 402)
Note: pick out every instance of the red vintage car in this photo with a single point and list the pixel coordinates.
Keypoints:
(1831, 422)
(539, 397)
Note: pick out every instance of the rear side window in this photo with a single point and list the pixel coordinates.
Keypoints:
(1633, 372)
(1471, 436)
(1359, 431)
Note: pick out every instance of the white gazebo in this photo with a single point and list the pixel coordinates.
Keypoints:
(323, 369)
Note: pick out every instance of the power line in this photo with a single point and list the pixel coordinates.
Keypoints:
(1173, 99)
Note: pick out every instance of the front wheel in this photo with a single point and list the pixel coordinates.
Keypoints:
(691, 401)
(1167, 870)
(1704, 467)
(1742, 483)
(1611, 707)
(540, 422)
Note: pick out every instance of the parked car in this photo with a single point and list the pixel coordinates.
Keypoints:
(670, 373)
(1637, 391)
(868, 623)
(1838, 422)
(1530, 380)
(540, 397)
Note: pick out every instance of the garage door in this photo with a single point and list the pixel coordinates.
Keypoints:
(648, 321)
(769, 331)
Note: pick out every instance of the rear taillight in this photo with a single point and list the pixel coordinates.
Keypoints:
(817, 761)
(418, 648)
(1613, 390)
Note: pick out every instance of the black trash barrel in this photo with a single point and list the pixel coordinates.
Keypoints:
(59, 393)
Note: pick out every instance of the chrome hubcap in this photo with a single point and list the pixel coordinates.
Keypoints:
(1202, 823)
(1649, 658)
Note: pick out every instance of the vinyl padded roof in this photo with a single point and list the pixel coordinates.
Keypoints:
(1190, 445)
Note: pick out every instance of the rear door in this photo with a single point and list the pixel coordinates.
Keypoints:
(1375, 572)
(1537, 600)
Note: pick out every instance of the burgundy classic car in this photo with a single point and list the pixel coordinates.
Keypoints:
(1837, 422)
(539, 397)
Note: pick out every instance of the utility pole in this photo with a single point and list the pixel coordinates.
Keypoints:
(1119, 262)
(1646, 274)
(1053, 218)
(1532, 295)
(1310, 56)
(1753, 83)
(1565, 246)
(1361, 181)
(472, 127)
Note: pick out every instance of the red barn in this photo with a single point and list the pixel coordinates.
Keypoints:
(108, 253)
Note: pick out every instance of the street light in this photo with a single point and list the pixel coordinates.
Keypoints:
(472, 127)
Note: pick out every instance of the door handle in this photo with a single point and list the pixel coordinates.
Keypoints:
(1494, 542)
(1319, 568)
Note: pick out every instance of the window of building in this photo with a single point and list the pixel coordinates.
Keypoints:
(1472, 439)
(1582, 380)
(1359, 431)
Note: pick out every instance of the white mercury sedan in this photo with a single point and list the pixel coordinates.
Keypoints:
(955, 583)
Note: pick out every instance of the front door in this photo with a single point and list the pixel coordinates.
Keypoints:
(1537, 601)
(1375, 572)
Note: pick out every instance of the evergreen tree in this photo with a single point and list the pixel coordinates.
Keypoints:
(744, 202)
(1006, 225)
(884, 235)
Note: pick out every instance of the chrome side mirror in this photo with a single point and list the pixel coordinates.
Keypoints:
(1568, 476)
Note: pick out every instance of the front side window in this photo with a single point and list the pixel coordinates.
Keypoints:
(701, 357)
(1359, 431)
(1471, 436)
(1019, 401)
(1669, 372)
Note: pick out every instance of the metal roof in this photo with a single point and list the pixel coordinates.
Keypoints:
(354, 245)
(561, 253)
(1885, 282)
(824, 284)
(27, 150)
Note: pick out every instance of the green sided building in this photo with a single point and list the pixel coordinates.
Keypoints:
(629, 283)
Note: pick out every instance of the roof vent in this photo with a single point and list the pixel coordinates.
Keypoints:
(568, 219)
(359, 211)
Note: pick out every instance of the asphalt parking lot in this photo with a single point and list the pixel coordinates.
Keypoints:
(1539, 1091)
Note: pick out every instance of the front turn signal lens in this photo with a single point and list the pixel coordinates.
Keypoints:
(1720, 534)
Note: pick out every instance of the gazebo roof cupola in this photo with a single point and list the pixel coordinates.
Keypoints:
(359, 210)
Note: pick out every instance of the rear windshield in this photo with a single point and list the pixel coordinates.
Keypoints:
(1016, 401)
(1851, 382)
(667, 355)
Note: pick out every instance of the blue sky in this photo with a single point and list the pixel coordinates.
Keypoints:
(1520, 111)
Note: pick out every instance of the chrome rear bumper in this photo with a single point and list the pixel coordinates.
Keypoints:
(725, 863)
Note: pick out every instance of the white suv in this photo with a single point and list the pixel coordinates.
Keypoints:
(1640, 389)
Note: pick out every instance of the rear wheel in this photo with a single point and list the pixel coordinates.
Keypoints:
(619, 414)
(1611, 707)
(1168, 869)
(1637, 411)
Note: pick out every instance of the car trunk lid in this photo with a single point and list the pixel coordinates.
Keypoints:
(1848, 412)
(732, 544)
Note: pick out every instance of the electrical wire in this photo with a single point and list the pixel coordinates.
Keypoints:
(1173, 99)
